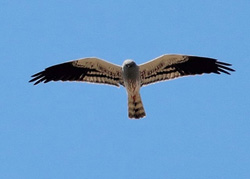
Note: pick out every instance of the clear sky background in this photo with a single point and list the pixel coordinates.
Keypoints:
(196, 127)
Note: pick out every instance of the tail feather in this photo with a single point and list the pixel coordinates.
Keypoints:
(135, 107)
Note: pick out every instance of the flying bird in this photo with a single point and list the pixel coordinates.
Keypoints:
(130, 75)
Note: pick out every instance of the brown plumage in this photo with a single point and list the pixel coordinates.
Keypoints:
(130, 75)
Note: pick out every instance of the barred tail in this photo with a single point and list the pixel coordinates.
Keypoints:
(135, 106)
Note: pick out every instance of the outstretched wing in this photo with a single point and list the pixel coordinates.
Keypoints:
(92, 70)
(168, 67)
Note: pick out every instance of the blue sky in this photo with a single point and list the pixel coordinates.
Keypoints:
(196, 127)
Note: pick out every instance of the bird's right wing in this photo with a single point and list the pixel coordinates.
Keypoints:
(91, 70)
(168, 67)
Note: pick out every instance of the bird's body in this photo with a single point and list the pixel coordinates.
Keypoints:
(130, 75)
(132, 82)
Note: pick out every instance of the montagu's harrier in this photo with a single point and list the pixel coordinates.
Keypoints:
(130, 75)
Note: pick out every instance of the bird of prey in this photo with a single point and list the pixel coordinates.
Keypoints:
(130, 75)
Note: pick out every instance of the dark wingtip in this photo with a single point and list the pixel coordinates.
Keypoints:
(224, 71)
(223, 67)
(223, 63)
(37, 78)
(37, 74)
(32, 80)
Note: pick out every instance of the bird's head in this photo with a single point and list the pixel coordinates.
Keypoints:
(128, 64)
(130, 70)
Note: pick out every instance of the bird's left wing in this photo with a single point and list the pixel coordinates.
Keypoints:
(91, 70)
(168, 67)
